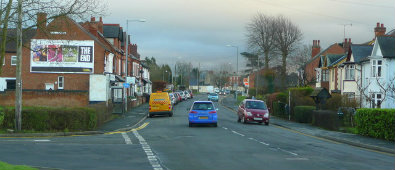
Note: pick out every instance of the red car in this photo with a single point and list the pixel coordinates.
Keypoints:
(179, 99)
(253, 111)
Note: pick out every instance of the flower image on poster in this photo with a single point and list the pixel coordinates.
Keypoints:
(40, 53)
(70, 53)
(55, 53)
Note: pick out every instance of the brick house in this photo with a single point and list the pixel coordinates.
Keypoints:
(64, 57)
(312, 76)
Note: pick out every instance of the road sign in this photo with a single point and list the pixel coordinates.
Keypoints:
(126, 85)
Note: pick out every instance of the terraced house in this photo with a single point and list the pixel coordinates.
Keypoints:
(72, 62)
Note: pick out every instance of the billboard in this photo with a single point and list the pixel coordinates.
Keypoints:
(62, 56)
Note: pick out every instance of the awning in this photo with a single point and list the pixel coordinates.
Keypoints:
(119, 79)
(147, 81)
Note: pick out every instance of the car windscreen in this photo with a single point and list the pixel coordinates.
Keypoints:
(213, 94)
(256, 105)
(203, 106)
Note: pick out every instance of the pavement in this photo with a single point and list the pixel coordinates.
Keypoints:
(346, 138)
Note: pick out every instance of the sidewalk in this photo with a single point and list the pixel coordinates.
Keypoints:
(346, 138)
(127, 121)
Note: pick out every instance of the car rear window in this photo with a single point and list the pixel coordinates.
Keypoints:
(213, 94)
(203, 106)
(256, 105)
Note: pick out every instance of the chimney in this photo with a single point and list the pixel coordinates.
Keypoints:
(346, 44)
(316, 48)
(93, 19)
(100, 25)
(41, 22)
(379, 30)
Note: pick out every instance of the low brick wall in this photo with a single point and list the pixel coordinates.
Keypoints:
(47, 98)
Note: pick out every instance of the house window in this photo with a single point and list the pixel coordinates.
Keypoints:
(376, 68)
(376, 100)
(350, 72)
(13, 60)
(333, 75)
(61, 82)
(325, 75)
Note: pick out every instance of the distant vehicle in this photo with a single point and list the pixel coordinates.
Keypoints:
(187, 95)
(160, 104)
(191, 93)
(216, 90)
(203, 112)
(178, 97)
(173, 99)
(253, 111)
(182, 94)
(222, 92)
(213, 97)
(227, 91)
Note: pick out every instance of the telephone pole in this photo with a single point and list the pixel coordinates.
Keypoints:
(18, 90)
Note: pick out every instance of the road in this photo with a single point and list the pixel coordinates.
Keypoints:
(168, 143)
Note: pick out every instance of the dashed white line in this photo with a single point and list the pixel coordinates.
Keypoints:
(127, 139)
(295, 154)
(42, 140)
(237, 133)
(153, 160)
(225, 128)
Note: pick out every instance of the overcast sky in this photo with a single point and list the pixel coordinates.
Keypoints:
(199, 30)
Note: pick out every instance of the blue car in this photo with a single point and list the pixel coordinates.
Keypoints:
(203, 112)
(213, 97)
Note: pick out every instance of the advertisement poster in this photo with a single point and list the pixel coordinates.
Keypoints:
(62, 56)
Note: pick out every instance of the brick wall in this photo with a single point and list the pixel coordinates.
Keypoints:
(46, 98)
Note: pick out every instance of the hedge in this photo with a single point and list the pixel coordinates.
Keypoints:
(52, 119)
(378, 123)
(303, 114)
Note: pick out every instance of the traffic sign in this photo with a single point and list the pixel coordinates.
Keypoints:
(126, 85)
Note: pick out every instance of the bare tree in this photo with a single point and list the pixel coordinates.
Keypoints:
(385, 88)
(76, 9)
(260, 33)
(287, 37)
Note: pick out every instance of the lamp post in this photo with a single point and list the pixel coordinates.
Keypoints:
(127, 56)
(237, 67)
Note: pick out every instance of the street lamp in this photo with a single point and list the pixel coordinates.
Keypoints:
(127, 56)
(237, 66)
(127, 41)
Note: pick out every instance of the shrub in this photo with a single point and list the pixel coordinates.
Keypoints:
(327, 119)
(52, 119)
(303, 114)
(378, 123)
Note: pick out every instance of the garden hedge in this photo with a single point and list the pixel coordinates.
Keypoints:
(327, 119)
(378, 123)
(52, 119)
(303, 114)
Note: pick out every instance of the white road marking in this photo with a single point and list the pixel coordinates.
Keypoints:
(225, 128)
(237, 133)
(127, 139)
(153, 160)
(264, 143)
(297, 159)
(288, 152)
(42, 140)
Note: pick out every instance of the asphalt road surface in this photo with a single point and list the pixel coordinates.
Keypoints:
(168, 143)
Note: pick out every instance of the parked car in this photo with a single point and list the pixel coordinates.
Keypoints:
(190, 92)
(187, 95)
(182, 94)
(160, 104)
(227, 91)
(173, 99)
(203, 112)
(253, 111)
(178, 97)
(222, 92)
(213, 97)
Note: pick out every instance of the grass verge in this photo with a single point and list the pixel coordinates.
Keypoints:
(7, 166)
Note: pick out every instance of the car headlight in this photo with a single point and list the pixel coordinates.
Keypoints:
(249, 114)
(266, 115)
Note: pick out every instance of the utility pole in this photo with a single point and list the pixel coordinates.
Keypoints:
(18, 90)
(198, 77)
(257, 80)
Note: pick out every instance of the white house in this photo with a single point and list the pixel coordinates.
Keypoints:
(378, 75)
(350, 71)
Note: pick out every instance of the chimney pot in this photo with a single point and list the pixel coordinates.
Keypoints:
(349, 40)
(378, 24)
(318, 42)
(101, 19)
(93, 19)
(382, 25)
(313, 43)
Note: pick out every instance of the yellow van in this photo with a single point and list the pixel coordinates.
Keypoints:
(160, 104)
